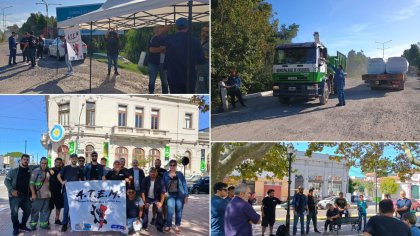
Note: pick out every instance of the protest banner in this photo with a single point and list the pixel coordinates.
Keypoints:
(98, 205)
(74, 43)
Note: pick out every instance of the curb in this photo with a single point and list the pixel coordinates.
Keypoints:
(259, 94)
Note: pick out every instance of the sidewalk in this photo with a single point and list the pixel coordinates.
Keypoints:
(195, 221)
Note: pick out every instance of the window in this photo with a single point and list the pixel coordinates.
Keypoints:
(153, 155)
(188, 121)
(63, 114)
(90, 113)
(155, 119)
(122, 115)
(88, 153)
(188, 154)
(138, 154)
(139, 117)
(122, 152)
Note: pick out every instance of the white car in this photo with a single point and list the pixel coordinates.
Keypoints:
(52, 48)
(323, 203)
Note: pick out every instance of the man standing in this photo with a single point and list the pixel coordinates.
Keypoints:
(176, 59)
(340, 80)
(57, 199)
(69, 173)
(218, 206)
(66, 55)
(156, 59)
(117, 173)
(112, 48)
(403, 204)
(153, 193)
(361, 207)
(12, 48)
(81, 161)
(93, 170)
(312, 213)
(385, 224)
(39, 185)
(268, 209)
(234, 83)
(32, 44)
(299, 205)
(103, 164)
(17, 184)
(239, 214)
(160, 171)
(24, 47)
(136, 176)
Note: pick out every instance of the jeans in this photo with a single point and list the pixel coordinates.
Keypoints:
(19, 202)
(69, 66)
(113, 59)
(236, 93)
(130, 222)
(153, 72)
(12, 55)
(302, 222)
(340, 92)
(66, 208)
(159, 215)
(40, 207)
(329, 224)
(311, 215)
(175, 204)
(32, 52)
(362, 215)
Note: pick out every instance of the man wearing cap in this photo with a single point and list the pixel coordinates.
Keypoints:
(66, 55)
(176, 59)
(136, 176)
(69, 173)
(12, 48)
(153, 193)
(93, 170)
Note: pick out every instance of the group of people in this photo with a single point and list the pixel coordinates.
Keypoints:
(37, 190)
(168, 57)
(230, 87)
(32, 47)
(233, 214)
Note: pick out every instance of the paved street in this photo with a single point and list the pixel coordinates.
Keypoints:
(195, 219)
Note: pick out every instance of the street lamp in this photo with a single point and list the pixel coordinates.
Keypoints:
(4, 18)
(46, 7)
(376, 189)
(290, 152)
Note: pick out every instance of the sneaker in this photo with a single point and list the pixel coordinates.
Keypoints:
(339, 105)
(57, 222)
(24, 228)
(153, 221)
(64, 228)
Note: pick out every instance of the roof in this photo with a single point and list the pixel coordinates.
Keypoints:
(127, 14)
(299, 45)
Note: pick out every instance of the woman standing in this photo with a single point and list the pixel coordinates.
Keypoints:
(177, 191)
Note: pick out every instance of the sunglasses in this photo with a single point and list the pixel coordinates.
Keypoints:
(81, 161)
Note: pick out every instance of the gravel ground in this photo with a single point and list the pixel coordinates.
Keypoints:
(370, 115)
(49, 77)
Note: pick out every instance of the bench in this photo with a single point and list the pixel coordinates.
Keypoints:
(353, 221)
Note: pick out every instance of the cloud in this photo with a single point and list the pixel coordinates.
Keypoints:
(406, 12)
(18, 19)
(393, 51)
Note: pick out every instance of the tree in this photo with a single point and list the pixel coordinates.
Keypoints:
(388, 185)
(201, 102)
(413, 55)
(370, 186)
(14, 154)
(352, 186)
(360, 186)
(356, 63)
(38, 23)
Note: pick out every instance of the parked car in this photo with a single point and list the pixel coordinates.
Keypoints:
(354, 198)
(415, 205)
(52, 49)
(200, 186)
(323, 203)
(47, 43)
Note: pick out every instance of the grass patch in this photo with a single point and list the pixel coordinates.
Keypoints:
(129, 66)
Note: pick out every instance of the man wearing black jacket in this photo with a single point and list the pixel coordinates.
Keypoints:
(112, 48)
(136, 176)
(153, 193)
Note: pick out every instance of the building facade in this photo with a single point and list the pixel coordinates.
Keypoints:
(327, 177)
(145, 128)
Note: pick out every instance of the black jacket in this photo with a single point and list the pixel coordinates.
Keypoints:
(158, 190)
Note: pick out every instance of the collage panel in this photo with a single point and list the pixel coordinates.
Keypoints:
(105, 47)
(119, 157)
(313, 188)
(284, 70)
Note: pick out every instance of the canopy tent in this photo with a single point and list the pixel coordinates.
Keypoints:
(123, 14)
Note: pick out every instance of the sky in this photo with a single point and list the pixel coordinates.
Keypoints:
(357, 172)
(23, 117)
(354, 24)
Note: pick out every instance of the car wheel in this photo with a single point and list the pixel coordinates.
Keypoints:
(195, 191)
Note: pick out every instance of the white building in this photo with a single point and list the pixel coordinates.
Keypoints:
(122, 126)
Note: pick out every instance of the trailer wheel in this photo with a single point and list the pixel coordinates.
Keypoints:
(325, 94)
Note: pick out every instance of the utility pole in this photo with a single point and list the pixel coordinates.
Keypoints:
(4, 18)
(46, 8)
(78, 130)
(383, 47)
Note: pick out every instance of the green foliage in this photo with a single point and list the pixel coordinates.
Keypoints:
(359, 185)
(388, 185)
(37, 23)
(200, 101)
(14, 154)
(243, 36)
(370, 187)
(413, 55)
(356, 63)
(352, 186)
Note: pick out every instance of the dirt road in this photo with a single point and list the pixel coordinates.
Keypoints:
(49, 77)
(370, 115)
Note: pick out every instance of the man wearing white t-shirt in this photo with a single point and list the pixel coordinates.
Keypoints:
(153, 193)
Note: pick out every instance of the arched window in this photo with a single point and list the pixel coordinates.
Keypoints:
(88, 153)
(122, 152)
(63, 153)
(138, 154)
(153, 155)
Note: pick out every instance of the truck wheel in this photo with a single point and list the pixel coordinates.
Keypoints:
(324, 98)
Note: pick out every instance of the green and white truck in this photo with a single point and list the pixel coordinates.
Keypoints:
(300, 70)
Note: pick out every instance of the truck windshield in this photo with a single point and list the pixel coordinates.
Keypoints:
(295, 56)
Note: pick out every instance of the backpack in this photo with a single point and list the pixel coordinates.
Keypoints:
(281, 230)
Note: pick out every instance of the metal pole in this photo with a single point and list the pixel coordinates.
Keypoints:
(383, 47)
(376, 192)
(289, 182)
(90, 59)
(190, 88)
(78, 130)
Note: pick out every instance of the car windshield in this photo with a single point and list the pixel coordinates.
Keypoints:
(295, 56)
